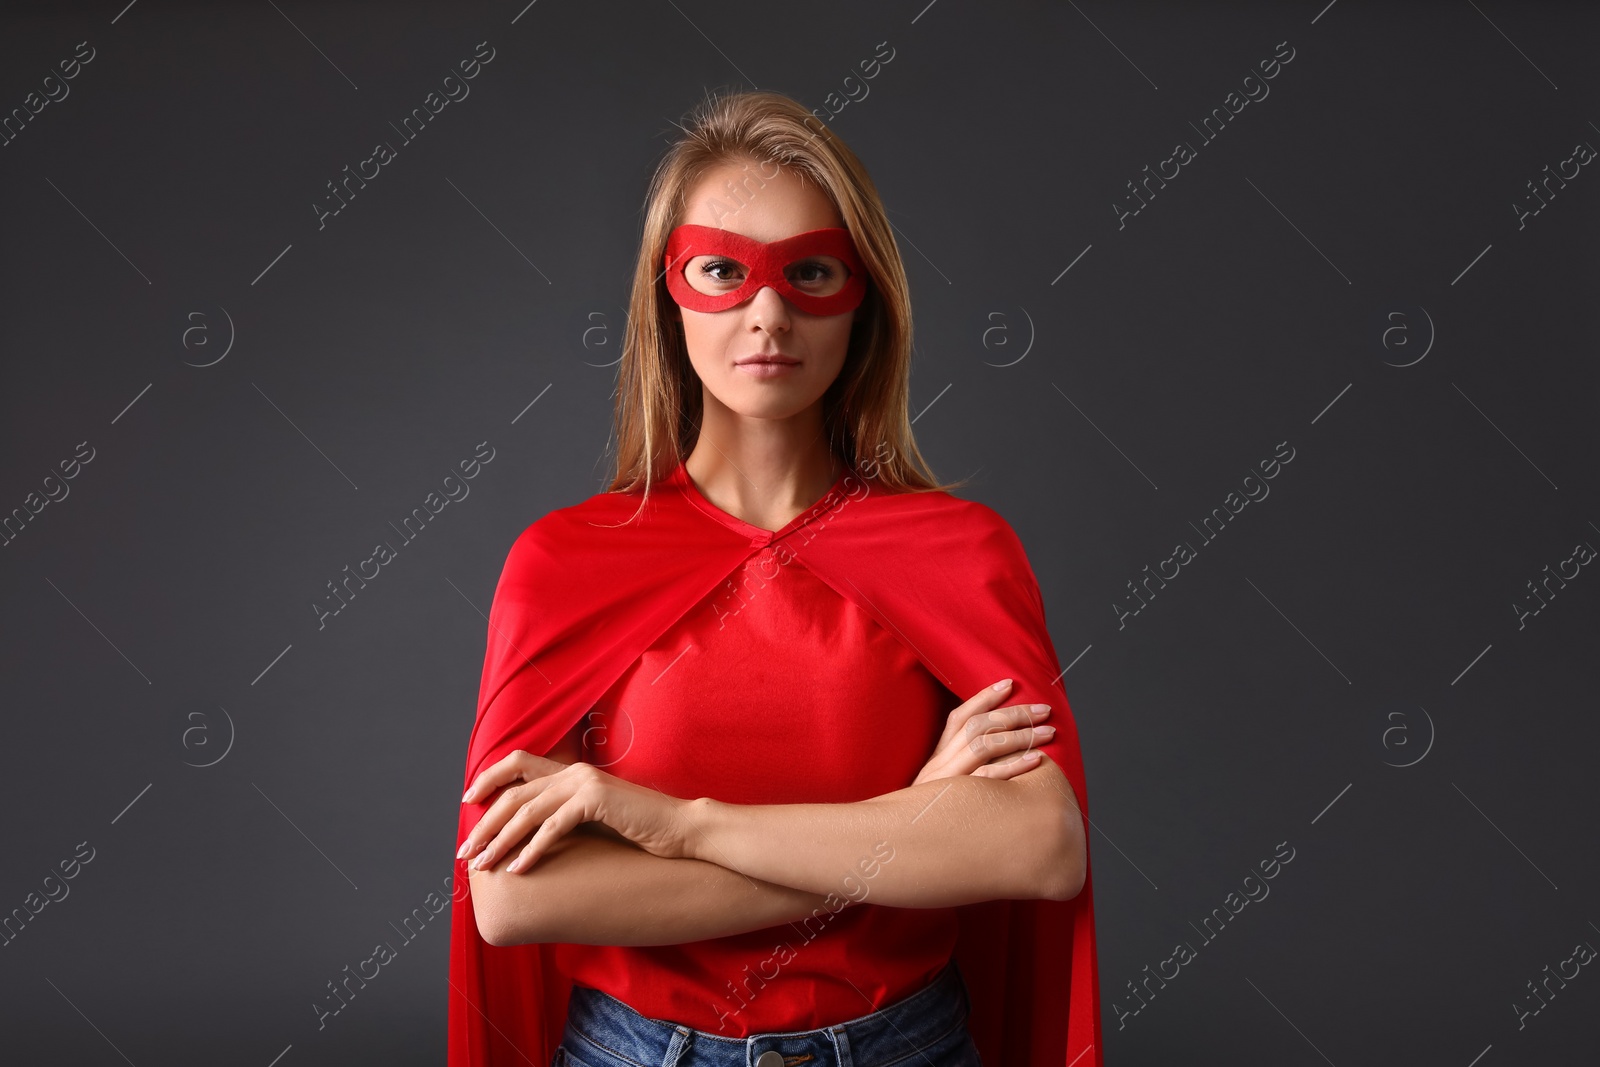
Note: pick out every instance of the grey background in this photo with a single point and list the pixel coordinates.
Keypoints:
(1359, 617)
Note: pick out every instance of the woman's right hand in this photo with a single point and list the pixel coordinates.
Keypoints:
(982, 739)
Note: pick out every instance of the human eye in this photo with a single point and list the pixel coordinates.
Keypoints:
(813, 272)
(821, 275)
(713, 270)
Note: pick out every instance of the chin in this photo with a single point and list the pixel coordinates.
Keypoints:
(768, 401)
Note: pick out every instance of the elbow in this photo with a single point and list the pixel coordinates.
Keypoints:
(496, 935)
(486, 910)
(1066, 865)
(499, 923)
(1065, 880)
(491, 934)
(1059, 839)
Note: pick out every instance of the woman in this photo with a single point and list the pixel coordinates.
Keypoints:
(733, 663)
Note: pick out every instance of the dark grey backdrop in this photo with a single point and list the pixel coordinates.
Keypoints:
(1342, 674)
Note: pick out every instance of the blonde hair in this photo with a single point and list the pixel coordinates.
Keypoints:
(659, 399)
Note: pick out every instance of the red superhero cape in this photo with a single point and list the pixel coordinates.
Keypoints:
(581, 597)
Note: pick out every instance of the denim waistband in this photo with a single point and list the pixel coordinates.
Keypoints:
(605, 1032)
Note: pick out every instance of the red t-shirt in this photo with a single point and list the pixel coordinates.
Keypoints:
(827, 707)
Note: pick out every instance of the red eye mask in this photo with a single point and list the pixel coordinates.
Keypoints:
(763, 264)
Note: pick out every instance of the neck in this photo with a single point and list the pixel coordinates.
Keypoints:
(764, 471)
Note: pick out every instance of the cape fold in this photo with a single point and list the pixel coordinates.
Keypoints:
(584, 593)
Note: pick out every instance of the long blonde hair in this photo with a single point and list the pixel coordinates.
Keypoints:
(659, 399)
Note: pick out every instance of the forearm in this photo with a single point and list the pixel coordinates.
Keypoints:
(591, 889)
(952, 841)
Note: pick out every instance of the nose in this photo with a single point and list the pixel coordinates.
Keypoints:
(769, 310)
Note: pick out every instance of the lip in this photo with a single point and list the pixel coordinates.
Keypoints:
(767, 367)
(766, 358)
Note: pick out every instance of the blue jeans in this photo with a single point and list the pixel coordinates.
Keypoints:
(926, 1029)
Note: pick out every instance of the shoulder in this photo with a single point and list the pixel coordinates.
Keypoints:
(981, 518)
(565, 530)
(956, 543)
(971, 523)
(996, 554)
(995, 538)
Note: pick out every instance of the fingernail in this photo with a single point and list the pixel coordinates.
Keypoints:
(465, 796)
(1002, 683)
(1044, 731)
(1040, 709)
(466, 846)
(1031, 755)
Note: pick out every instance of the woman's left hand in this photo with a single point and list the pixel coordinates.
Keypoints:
(555, 797)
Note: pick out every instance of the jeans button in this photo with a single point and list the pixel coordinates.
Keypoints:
(770, 1058)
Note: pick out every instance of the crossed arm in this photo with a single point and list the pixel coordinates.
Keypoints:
(952, 840)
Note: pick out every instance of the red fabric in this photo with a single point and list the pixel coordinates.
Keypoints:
(585, 592)
(823, 705)
(764, 264)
